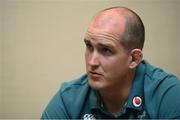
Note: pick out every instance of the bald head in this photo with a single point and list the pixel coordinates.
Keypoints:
(125, 24)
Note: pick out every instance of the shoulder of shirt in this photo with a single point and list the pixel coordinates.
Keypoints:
(74, 84)
(157, 74)
(157, 85)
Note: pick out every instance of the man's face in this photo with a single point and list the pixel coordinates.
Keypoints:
(107, 63)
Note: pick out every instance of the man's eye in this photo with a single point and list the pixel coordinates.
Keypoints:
(89, 46)
(106, 51)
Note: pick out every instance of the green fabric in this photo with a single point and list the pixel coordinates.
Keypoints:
(158, 91)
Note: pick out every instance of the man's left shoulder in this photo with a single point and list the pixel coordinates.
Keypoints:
(159, 82)
(170, 101)
(157, 77)
(162, 93)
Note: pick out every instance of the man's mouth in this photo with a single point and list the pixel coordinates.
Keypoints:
(94, 74)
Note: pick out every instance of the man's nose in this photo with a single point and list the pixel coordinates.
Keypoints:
(94, 59)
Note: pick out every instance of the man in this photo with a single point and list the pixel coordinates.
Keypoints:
(118, 83)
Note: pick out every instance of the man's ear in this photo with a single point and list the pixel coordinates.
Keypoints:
(136, 56)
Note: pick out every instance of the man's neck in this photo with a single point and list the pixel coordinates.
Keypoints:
(117, 96)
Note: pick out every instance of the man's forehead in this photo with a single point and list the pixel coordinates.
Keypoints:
(102, 35)
(106, 41)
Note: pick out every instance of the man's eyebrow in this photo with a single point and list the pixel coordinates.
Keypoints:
(86, 40)
(106, 45)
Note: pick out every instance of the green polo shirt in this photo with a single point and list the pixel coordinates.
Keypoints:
(154, 94)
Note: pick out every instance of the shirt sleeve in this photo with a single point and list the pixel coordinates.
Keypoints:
(170, 104)
(55, 109)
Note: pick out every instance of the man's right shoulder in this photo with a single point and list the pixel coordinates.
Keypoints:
(79, 83)
(70, 98)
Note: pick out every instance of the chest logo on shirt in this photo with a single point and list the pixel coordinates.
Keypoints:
(137, 101)
(89, 117)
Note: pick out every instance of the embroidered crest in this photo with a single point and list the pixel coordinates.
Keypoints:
(89, 117)
(137, 101)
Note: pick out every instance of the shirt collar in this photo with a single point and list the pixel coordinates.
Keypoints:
(94, 99)
(137, 88)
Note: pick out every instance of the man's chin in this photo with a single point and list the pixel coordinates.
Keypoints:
(97, 85)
